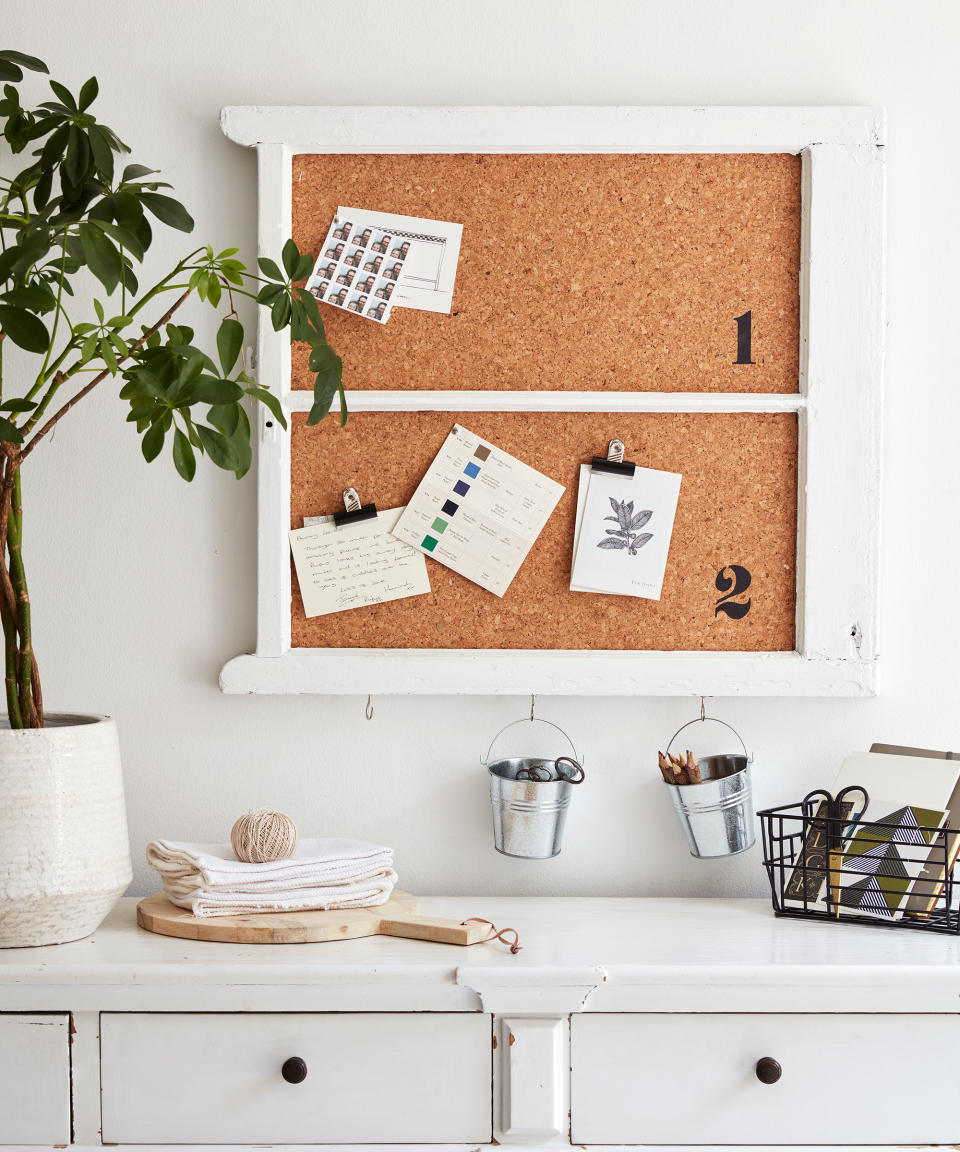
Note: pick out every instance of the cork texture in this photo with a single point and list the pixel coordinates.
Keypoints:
(577, 272)
(738, 505)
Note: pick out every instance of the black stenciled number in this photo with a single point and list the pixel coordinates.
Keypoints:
(744, 338)
(731, 586)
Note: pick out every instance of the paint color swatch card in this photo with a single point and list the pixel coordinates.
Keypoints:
(355, 565)
(623, 530)
(358, 268)
(478, 510)
(430, 250)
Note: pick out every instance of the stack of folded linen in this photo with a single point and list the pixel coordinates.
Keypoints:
(322, 874)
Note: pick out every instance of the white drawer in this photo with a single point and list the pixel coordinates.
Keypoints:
(35, 1079)
(692, 1079)
(171, 1078)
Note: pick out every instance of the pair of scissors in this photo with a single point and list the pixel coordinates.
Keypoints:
(834, 821)
(541, 774)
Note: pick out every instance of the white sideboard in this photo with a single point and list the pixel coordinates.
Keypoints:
(666, 1023)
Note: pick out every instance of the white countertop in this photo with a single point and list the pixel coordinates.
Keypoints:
(599, 954)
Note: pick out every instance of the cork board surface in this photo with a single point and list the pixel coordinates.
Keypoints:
(577, 272)
(738, 505)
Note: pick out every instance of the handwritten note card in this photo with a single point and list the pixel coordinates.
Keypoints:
(356, 565)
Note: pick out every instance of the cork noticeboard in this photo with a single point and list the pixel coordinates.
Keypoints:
(738, 505)
(578, 272)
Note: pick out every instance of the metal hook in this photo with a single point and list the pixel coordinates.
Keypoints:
(368, 711)
(351, 501)
(533, 701)
(703, 709)
(615, 451)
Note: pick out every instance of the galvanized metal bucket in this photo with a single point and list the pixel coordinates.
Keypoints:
(529, 812)
(717, 816)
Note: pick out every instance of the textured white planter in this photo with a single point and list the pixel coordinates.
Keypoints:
(64, 853)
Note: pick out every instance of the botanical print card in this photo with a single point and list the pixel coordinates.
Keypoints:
(623, 531)
(429, 249)
(354, 565)
(358, 268)
(478, 510)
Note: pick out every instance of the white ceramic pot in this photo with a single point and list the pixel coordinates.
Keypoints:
(64, 853)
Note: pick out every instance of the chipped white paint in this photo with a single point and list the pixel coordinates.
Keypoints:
(64, 854)
(35, 1079)
(838, 404)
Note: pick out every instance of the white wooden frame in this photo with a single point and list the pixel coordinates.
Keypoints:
(838, 405)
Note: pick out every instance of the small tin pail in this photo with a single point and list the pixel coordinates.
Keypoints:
(530, 796)
(717, 816)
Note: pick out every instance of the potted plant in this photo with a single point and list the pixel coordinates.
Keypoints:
(78, 219)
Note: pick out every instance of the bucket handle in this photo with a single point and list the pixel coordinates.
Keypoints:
(706, 720)
(485, 760)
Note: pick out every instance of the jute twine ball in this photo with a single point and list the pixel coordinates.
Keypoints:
(264, 835)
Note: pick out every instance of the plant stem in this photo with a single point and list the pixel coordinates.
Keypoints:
(19, 580)
(10, 675)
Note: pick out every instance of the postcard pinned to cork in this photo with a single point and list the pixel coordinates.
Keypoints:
(478, 510)
(355, 565)
(372, 262)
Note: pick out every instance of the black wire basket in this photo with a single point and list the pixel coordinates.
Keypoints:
(893, 873)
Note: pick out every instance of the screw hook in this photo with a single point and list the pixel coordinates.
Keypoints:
(533, 700)
(368, 711)
(703, 709)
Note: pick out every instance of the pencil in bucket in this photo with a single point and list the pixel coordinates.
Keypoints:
(711, 794)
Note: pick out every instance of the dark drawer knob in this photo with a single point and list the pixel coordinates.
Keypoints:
(768, 1070)
(294, 1070)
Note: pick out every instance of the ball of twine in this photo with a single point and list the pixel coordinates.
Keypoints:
(264, 835)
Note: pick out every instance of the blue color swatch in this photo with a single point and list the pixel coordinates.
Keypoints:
(449, 508)
(472, 470)
(461, 488)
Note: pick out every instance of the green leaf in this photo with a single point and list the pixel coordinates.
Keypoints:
(18, 405)
(241, 443)
(23, 60)
(152, 443)
(76, 164)
(225, 418)
(212, 391)
(128, 211)
(108, 356)
(291, 259)
(270, 401)
(167, 210)
(304, 268)
(88, 93)
(124, 237)
(101, 256)
(8, 433)
(135, 171)
(24, 329)
(229, 343)
(218, 448)
(10, 72)
(280, 312)
(270, 293)
(183, 457)
(36, 297)
(64, 94)
(102, 152)
(268, 268)
(213, 289)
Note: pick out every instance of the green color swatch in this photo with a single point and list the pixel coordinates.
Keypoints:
(439, 525)
(429, 543)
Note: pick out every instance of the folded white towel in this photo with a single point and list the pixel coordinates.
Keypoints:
(322, 874)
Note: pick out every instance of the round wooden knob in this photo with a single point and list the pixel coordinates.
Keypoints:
(294, 1070)
(768, 1070)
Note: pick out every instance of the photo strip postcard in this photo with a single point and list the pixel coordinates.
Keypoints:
(358, 268)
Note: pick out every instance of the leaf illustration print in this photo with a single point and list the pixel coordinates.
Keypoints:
(627, 535)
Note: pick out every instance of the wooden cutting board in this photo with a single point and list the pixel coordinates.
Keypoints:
(395, 918)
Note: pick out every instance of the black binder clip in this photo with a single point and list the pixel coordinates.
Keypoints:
(614, 463)
(353, 511)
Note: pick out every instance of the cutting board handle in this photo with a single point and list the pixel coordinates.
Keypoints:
(435, 929)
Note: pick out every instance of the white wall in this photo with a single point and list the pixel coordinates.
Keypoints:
(142, 586)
